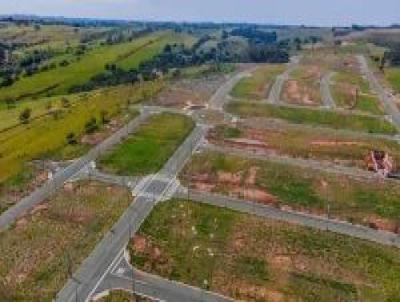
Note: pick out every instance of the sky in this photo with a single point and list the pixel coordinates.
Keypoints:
(298, 12)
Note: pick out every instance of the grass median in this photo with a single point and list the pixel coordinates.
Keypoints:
(258, 85)
(315, 117)
(44, 247)
(255, 259)
(149, 147)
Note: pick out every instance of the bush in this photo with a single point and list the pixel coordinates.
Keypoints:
(91, 126)
(71, 139)
(25, 116)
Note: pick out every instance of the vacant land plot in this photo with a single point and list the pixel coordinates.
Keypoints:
(369, 202)
(303, 87)
(324, 145)
(393, 76)
(350, 90)
(253, 259)
(47, 136)
(150, 147)
(313, 117)
(44, 247)
(259, 84)
(61, 79)
(190, 93)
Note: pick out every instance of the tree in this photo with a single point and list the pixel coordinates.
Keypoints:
(25, 115)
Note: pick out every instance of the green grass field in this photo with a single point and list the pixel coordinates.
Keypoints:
(253, 259)
(313, 117)
(41, 248)
(359, 200)
(393, 76)
(150, 147)
(46, 137)
(259, 84)
(61, 79)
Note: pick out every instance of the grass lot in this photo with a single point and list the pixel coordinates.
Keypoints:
(344, 89)
(316, 144)
(253, 259)
(123, 296)
(59, 80)
(46, 137)
(303, 88)
(40, 250)
(393, 76)
(258, 85)
(313, 117)
(362, 201)
(149, 148)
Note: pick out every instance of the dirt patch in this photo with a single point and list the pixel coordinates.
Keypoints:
(190, 93)
(299, 94)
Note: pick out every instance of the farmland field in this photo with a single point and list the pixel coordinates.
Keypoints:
(326, 118)
(149, 147)
(46, 137)
(40, 250)
(78, 72)
(364, 201)
(253, 259)
(259, 84)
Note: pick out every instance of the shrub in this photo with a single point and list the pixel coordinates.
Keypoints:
(91, 126)
(25, 116)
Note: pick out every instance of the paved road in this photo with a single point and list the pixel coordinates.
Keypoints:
(386, 98)
(48, 189)
(123, 276)
(217, 101)
(148, 194)
(275, 93)
(326, 94)
(317, 222)
(299, 162)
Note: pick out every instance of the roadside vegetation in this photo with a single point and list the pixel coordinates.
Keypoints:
(254, 259)
(149, 147)
(314, 117)
(257, 86)
(365, 201)
(43, 248)
(123, 296)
